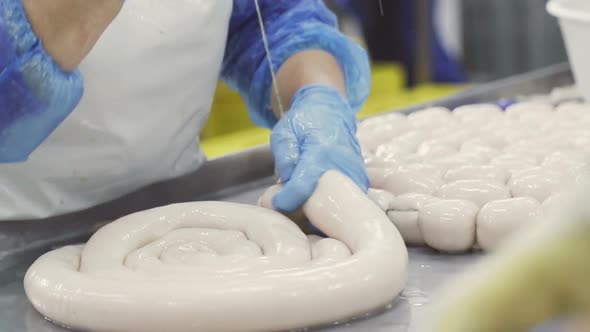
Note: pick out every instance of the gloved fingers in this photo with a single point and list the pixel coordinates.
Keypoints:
(357, 163)
(308, 171)
(360, 177)
(298, 189)
(356, 145)
(285, 149)
(349, 162)
(355, 169)
(302, 184)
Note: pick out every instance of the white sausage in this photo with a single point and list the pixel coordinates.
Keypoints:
(572, 162)
(499, 219)
(477, 191)
(403, 212)
(118, 282)
(514, 163)
(382, 162)
(422, 167)
(449, 225)
(472, 115)
(378, 176)
(529, 149)
(477, 172)
(554, 202)
(408, 141)
(382, 198)
(430, 117)
(434, 149)
(520, 109)
(402, 181)
(536, 182)
(478, 147)
(456, 160)
(484, 153)
(391, 119)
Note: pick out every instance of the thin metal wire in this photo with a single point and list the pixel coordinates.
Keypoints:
(269, 59)
(381, 7)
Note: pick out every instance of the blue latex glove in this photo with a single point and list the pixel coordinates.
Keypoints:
(316, 135)
(292, 27)
(35, 94)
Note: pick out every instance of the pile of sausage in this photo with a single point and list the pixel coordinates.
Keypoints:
(468, 178)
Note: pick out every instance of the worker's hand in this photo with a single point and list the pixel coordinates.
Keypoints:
(317, 134)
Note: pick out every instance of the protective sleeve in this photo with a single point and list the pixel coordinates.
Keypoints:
(35, 94)
(292, 27)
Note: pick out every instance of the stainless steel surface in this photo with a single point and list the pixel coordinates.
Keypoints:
(239, 177)
(428, 271)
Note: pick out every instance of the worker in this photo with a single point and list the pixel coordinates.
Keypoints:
(101, 98)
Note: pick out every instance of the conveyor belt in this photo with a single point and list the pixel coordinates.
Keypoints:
(239, 178)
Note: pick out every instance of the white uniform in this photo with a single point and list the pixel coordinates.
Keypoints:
(149, 86)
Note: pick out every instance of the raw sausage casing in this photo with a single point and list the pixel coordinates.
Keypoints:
(214, 266)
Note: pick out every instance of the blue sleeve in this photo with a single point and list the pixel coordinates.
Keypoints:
(35, 94)
(291, 26)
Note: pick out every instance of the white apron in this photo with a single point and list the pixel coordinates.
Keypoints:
(149, 86)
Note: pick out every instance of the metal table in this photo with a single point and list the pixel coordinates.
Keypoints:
(239, 177)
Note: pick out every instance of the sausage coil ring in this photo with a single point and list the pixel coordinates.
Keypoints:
(216, 266)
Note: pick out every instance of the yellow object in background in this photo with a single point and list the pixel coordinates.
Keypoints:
(389, 92)
(229, 128)
(228, 114)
